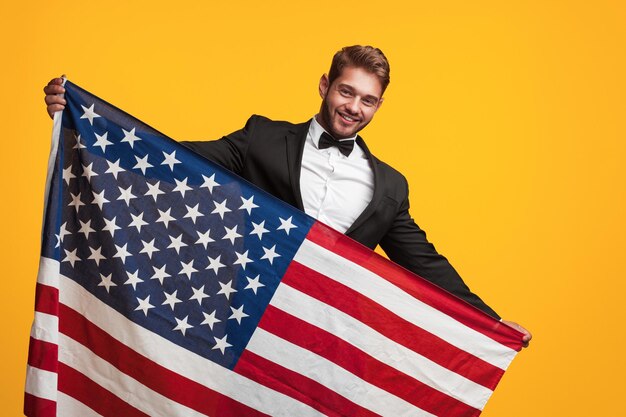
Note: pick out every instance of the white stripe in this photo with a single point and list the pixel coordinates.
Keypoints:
(76, 356)
(40, 383)
(379, 346)
(48, 272)
(177, 359)
(404, 305)
(330, 375)
(54, 148)
(45, 327)
(71, 407)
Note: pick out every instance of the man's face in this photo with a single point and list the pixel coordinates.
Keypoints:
(349, 104)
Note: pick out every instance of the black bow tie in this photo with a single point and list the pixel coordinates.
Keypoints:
(344, 146)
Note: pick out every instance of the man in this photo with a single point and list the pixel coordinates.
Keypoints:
(324, 168)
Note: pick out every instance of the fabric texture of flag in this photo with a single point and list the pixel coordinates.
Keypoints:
(169, 287)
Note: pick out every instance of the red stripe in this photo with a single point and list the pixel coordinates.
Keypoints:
(102, 401)
(418, 287)
(47, 299)
(39, 407)
(43, 355)
(156, 377)
(362, 365)
(298, 386)
(391, 326)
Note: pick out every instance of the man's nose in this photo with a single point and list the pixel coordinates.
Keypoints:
(353, 105)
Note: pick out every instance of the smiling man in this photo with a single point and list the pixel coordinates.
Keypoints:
(325, 169)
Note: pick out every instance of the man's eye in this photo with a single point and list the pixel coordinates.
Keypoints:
(345, 93)
(369, 103)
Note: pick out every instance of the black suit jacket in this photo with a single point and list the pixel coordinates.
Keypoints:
(269, 154)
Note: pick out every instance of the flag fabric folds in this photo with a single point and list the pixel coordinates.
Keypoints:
(169, 287)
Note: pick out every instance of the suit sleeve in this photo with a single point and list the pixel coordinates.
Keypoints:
(406, 244)
(229, 151)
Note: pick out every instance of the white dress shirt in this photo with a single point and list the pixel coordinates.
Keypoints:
(335, 188)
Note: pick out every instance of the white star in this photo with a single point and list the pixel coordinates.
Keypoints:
(259, 229)
(170, 299)
(204, 238)
(181, 186)
(89, 114)
(76, 201)
(71, 257)
(114, 168)
(170, 159)
(102, 141)
(286, 225)
(98, 198)
(126, 194)
(89, 172)
(164, 217)
(182, 325)
(221, 344)
(96, 255)
(210, 319)
(110, 226)
(248, 204)
(177, 243)
(242, 259)
(215, 264)
(154, 190)
(58, 244)
(122, 253)
(133, 279)
(149, 248)
(231, 234)
(220, 208)
(198, 294)
(144, 305)
(130, 137)
(142, 164)
(85, 228)
(193, 213)
(63, 232)
(160, 274)
(187, 269)
(209, 182)
(79, 145)
(137, 221)
(270, 254)
(106, 282)
(238, 314)
(227, 289)
(254, 284)
(67, 174)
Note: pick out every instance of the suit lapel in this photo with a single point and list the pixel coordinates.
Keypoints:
(379, 180)
(295, 140)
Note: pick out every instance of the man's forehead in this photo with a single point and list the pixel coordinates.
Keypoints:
(361, 80)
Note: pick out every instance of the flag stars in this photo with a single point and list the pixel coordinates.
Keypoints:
(89, 113)
(102, 141)
(165, 217)
(238, 314)
(149, 248)
(133, 279)
(221, 344)
(63, 232)
(259, 229)
(160, 274)
(79, 145)
(154, 190)
(193, 213)
(110, 226)
(286, 225)
(68, 175)
(231, 234)
(85, 228)
(199, 295)
(126, 194)
(130, 137)
(242, 259)
(209, 182)
(122, 253)
(88, 172)
(210, 319)
(71, 257)
(96, 255)
(254, 284)
(220, 208)
(182, 325)
(106, 281)
(170, 299)
(144, 305)
(170, 160)
(142, 164)
(76, 201)
(226, 289)
(176, 243)
(215, 264)
(270, 254)
(181, 187)
(114, 168)
(187, 269)
(99, 199)
(248, 204)
(204, 239)
(137, 221)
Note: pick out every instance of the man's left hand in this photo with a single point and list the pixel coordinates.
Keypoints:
(527, 334)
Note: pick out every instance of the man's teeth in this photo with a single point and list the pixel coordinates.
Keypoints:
(350, 119)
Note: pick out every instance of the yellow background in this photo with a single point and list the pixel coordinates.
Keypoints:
(508, 120)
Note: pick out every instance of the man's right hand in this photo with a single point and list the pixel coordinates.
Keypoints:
(54, 101)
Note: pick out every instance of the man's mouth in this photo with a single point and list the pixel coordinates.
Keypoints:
(348, 119)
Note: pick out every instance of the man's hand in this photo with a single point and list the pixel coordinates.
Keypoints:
(527, 334)
(54, 101)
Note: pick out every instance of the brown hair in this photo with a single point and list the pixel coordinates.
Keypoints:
(367, 57)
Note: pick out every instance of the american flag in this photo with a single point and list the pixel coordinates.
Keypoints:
(170, 287)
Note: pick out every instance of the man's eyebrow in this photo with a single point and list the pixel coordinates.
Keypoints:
(349, 87)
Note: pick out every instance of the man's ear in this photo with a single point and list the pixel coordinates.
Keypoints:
(380, 103)
(323, 87)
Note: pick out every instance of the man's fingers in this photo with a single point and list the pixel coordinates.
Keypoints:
(53, 99)
(54, 89)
